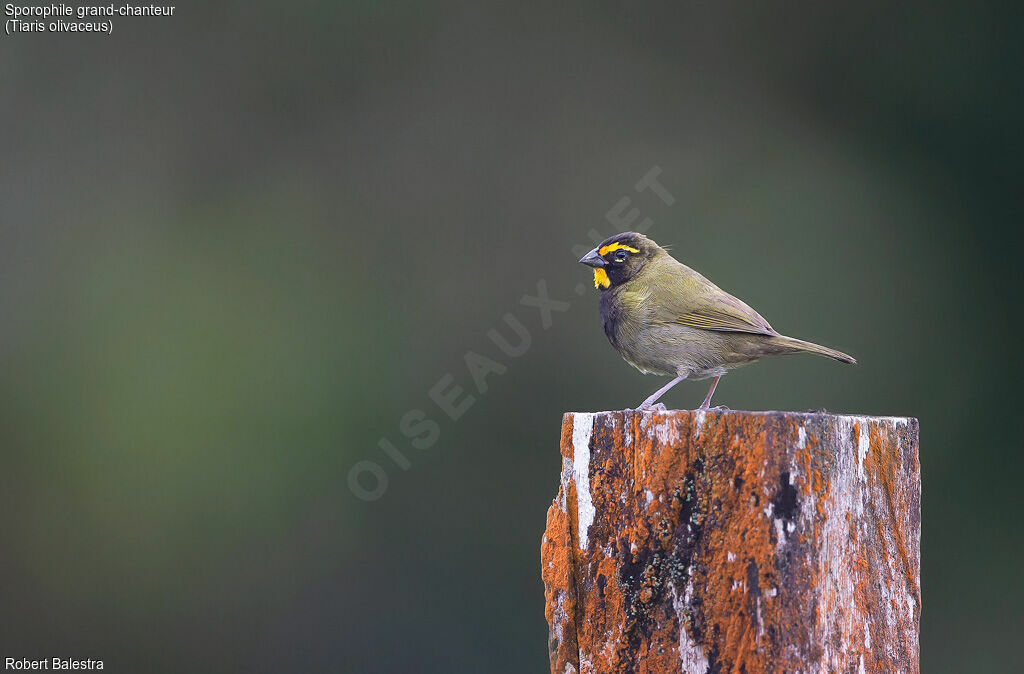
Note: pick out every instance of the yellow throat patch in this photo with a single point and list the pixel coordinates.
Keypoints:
(601, 279)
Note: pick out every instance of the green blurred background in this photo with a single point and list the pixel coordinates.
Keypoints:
(239, 244)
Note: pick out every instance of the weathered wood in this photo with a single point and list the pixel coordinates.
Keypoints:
(734, 542)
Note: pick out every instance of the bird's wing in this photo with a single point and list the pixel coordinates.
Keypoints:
(684, 297)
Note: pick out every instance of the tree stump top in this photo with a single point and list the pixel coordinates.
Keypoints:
(734, 541)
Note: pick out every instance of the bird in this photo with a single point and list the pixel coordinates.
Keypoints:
(666, 319)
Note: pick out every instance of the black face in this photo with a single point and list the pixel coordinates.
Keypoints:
(618, 259)
(621, 265)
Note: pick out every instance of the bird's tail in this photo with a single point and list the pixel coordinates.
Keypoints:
(792, 345)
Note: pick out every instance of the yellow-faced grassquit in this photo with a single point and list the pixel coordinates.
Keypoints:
(665, 318)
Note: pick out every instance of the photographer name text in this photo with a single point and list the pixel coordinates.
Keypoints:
(54, 664)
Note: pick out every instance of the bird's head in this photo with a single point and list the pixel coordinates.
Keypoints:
(619, 258)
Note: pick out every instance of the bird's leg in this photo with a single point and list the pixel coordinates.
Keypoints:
(707, 400)
(647, 404)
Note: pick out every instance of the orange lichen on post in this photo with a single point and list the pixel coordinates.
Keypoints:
(558, 569)
(734, 541)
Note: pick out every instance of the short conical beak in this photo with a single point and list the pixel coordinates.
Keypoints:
(592, 259)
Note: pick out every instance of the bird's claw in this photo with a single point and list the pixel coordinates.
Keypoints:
(657, 407)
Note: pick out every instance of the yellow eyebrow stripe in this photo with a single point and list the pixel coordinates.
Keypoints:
(615, 246)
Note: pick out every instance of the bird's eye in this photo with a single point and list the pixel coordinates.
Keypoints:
(620, 256)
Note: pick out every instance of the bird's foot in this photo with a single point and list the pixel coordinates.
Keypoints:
(656, 407)
(716, 408)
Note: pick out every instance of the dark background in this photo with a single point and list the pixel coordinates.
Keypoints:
(239, 244)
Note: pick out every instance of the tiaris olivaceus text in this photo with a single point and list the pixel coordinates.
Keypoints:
(665, 318)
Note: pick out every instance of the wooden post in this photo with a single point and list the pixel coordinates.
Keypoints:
(734, 542)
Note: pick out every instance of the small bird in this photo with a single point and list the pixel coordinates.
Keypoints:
(665, 318)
